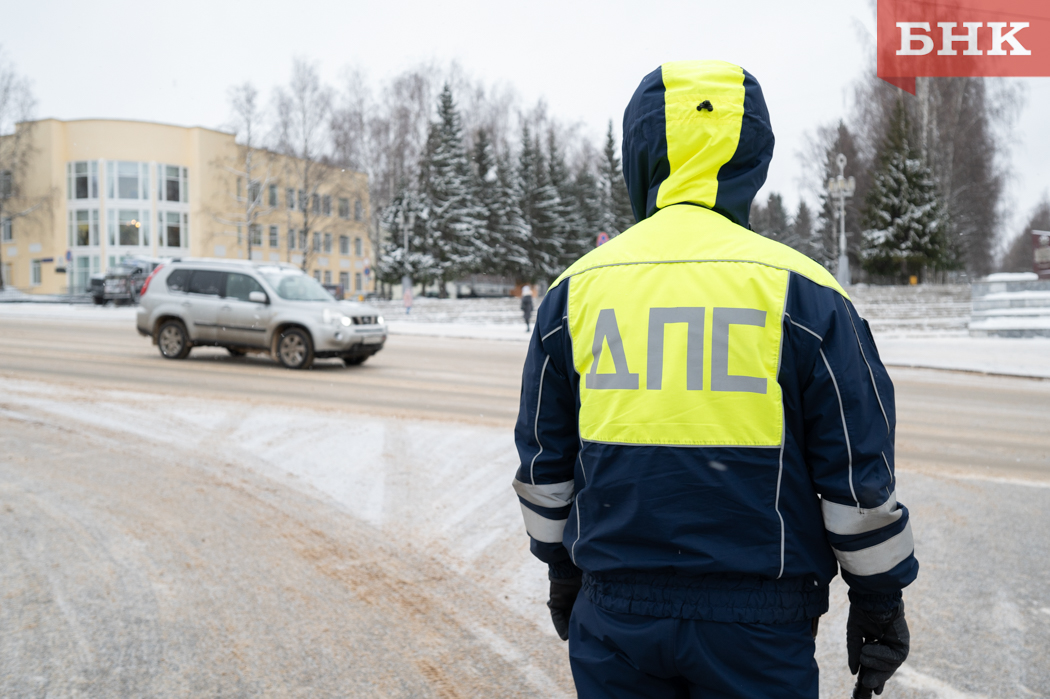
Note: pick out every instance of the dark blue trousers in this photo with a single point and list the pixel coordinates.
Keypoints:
(622, 656)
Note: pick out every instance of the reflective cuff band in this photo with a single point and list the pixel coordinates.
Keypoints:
(847, 519)
(880, 558)
(549, 495)
(540, 528)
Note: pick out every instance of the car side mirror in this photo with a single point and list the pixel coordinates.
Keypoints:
(257, 297)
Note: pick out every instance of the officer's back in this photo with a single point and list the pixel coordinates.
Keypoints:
(706, 431)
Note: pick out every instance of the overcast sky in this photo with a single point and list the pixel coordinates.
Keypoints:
(173, 62)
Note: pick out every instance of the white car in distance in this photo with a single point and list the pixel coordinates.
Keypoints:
(270, 308)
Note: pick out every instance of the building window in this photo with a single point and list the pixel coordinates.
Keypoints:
(358, 247)
(6, 233)
(173, 229)
(34, 272)
(317, 242)
(81, 180)
(127, 180)
(273, 196)
(359, 210)
(344, 281)
(7, 184)
(317, 274)
(273, 237)
(255, 235)
(315, 203)
(291, 239)
(327, 277)
(357, 281)
(289, 198)
(344, 207)
(128, 227)
(173, 183)
(83, 228)
(301, 200)
(328, 242)
(302, 240)
(344, 245)
(255, 192)
(326, 205)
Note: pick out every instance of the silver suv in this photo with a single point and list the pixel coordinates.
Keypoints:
(254, 307)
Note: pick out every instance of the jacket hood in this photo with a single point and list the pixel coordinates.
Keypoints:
(696, 132)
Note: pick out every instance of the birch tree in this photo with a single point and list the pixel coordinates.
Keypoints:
(304, 109)
(252, 166)
(16, 110)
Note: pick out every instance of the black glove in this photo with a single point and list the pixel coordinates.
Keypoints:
(877, 644)
(563, 596)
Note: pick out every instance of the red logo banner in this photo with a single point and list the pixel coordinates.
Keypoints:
(962, 38)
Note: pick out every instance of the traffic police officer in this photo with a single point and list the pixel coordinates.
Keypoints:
(706, 430)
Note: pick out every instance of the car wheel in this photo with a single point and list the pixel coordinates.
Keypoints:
(235, 352)
(355, 361)
(173, 341)
(295, 350)
(99, 301)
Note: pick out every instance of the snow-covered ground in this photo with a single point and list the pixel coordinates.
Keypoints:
(443, 488)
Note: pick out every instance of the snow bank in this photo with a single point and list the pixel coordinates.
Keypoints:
(990, 355)
(69, 312)
(1011, 277)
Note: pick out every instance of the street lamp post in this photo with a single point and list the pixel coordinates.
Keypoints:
(840, 188)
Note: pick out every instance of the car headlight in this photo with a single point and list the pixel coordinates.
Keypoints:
(379, 319)
(345, 320)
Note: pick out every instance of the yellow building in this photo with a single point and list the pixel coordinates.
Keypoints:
(97, 190)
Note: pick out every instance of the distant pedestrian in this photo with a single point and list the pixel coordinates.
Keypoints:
(526, 306)
(407, 299)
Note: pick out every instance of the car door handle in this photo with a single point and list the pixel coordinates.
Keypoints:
(225, 308)
(185, 304)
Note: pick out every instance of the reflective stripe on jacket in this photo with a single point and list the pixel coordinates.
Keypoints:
(706, 429)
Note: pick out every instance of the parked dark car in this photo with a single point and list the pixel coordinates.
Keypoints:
(123, 282)
(96, 288)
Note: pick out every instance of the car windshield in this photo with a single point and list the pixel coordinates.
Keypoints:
(297, 287)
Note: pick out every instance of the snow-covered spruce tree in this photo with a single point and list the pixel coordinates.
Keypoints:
(586, 191)
(809, 240)
(393, 263)
(906, 232)
(568, 222)
(615, 201)
(771, 221)
(490, 200)
(514, 235)
(538, 202)
(455, 219)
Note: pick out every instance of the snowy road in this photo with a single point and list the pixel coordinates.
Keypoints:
(223, 526)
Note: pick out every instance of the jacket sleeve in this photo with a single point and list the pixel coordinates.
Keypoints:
(547, 433)
(850, 422)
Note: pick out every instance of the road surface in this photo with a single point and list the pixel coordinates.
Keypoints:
(133, 565)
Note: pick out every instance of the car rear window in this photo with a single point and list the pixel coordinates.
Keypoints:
(206, 282)
(177, 279)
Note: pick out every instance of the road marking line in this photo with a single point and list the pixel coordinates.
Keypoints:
(914, 679)
(985, 479)
(536, 677)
